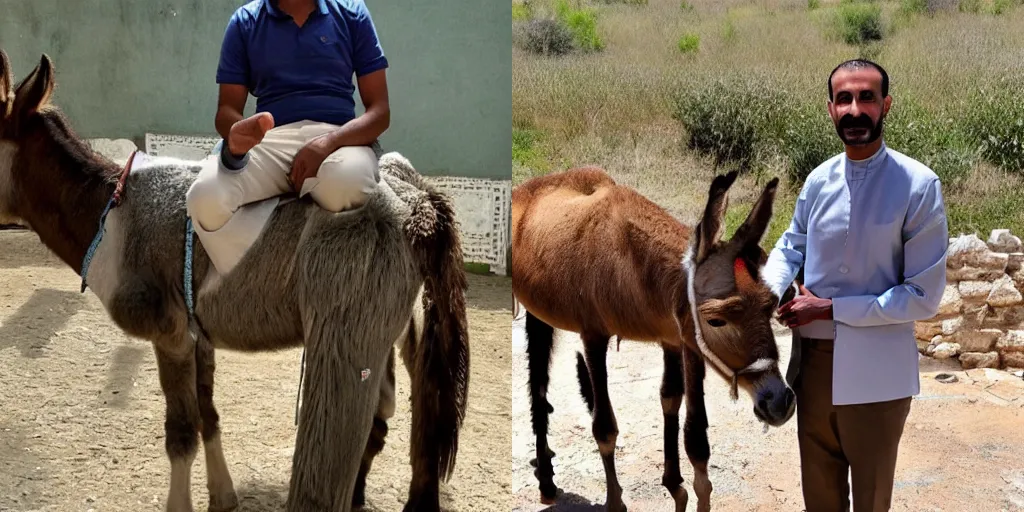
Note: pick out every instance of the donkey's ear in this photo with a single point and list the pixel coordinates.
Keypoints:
(5, 83)
(709, 229)
(35, 91)
(752, 230)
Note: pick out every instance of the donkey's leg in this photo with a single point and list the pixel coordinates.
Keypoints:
(606, 430)
(338, 406)
(385, 410)
(218, 478)
(176, 365)
(695, 429)
(539, 340)
(671, 400)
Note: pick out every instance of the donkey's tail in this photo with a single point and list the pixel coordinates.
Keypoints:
(583, 376)
(439, 360)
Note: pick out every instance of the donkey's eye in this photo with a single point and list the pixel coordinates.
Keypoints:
(715, 322)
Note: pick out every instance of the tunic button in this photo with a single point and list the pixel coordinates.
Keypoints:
(843, 269)
(323, 39)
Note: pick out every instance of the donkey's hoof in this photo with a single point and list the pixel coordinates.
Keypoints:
(431, 504)
(223, 503)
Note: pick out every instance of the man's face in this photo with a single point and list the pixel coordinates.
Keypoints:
(857, 107)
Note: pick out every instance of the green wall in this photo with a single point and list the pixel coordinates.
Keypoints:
(125, 67)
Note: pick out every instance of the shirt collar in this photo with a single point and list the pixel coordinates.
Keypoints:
(868, 164)
(271, 6)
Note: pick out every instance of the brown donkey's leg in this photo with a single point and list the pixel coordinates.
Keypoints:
(606, 431)
(695, 429)
(218, 478)
(385, 410)
(671, 400)
(176, 365)
(539, 339)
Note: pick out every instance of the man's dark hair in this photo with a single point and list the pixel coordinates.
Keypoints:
(854, 64)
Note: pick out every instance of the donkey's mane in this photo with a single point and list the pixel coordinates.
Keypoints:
(74, 154)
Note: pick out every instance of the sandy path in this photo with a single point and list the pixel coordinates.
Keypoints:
(81, 412)
(963, 449)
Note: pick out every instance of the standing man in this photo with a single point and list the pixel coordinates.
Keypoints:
(298, 58)
(870, 230)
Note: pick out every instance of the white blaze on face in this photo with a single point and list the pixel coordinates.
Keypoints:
(7, 153)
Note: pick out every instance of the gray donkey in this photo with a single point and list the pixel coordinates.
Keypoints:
(348, 287)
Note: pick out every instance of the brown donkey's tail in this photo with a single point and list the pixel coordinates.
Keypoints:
(439, 360)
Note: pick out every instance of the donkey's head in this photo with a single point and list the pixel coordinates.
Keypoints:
(21, 108)
(731, 308)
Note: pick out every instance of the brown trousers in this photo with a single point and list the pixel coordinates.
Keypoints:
(839, 442)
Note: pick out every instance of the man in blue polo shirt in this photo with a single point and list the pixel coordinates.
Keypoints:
(298, 58)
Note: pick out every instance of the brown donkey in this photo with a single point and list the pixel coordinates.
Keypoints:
(349, 287)
(598, 259)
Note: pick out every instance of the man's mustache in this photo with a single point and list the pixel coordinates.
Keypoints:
(861, 121)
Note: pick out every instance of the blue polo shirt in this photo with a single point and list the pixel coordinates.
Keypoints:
(301, 73)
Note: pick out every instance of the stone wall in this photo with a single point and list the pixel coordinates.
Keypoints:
(981, 318)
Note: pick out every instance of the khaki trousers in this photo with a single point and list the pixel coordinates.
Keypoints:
(344, 181)
(843, 443)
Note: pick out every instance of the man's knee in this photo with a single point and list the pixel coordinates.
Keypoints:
(208, 204)
(347, 178)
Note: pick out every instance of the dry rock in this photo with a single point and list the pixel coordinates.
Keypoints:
(1004, 294)
(927, 330)
(951, 301)
(951, 325)
(976, 314)
(975, 290)
(1011, 341)
(970, 360)
(963, 246)
(1000, 240)
(978, 341)
(922, 346)
(1013, 359)
(946, 350)
(1011, 316)
(973, 274)
(1015, 262)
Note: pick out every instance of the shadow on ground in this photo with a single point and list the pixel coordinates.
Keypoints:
(31, 328)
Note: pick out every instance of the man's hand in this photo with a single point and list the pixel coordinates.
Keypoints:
(308, 160)
(804, 309)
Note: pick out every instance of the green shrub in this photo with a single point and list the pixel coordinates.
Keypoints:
(813, 4)
(582, 23)
(993, 120)
(526, 149)
(913, 6)
(729, 30)
(685, 6)
(807, 140)
(860, 23)
(627, 2)
(520, 12)
(970, 6)
(730, 119)
(545, 37)
(930, 138)
(689, 43)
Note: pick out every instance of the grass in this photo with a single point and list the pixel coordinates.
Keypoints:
(636, 107)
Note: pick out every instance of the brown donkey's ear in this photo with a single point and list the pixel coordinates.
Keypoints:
(5, 82)
(710, 227)
(35, 91)
(749, 234)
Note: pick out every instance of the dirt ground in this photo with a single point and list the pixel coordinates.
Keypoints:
(963, 448)
(81, 412)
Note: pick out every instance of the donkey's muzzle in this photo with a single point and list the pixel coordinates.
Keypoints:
(775, 402)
